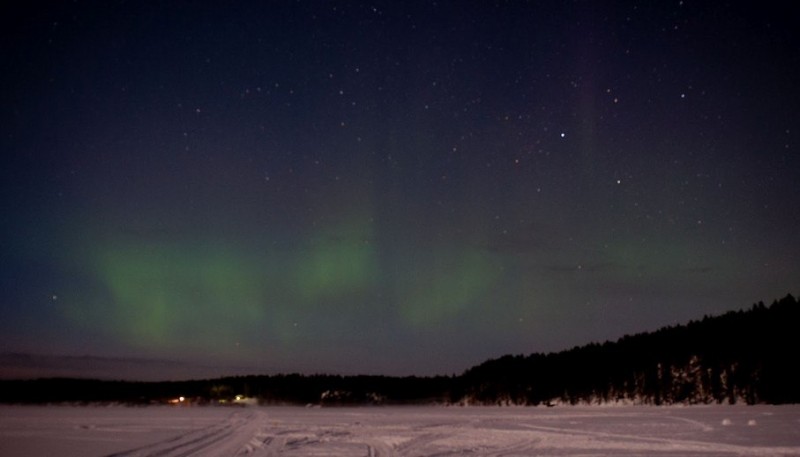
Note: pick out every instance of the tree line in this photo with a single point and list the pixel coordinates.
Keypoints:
(741, 356)
(747, 356)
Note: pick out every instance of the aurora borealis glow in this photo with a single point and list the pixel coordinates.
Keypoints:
(388, 187)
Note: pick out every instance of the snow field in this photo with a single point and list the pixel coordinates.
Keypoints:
(399, 431)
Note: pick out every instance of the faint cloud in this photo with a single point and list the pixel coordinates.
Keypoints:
(31, 366)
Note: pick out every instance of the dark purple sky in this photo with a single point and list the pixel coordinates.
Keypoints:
(386, 187)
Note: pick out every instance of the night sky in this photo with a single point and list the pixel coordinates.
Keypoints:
(208, 188)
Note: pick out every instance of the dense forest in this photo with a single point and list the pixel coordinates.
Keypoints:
(748, 356)
(744, 356)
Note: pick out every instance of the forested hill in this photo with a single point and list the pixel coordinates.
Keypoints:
(744, 356)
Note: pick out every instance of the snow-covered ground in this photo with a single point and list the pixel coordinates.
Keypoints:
(407, 431)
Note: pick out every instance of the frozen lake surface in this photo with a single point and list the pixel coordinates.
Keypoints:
(402, 431)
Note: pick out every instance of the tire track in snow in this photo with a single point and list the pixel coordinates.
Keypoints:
(323, 442)
(239, 434)
(377, 448)
(251, 433)
(702, 426)
(651, 445)
(421, 441)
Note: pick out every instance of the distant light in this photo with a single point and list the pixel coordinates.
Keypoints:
(563, 135)
(619, 181)
(180, 399)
